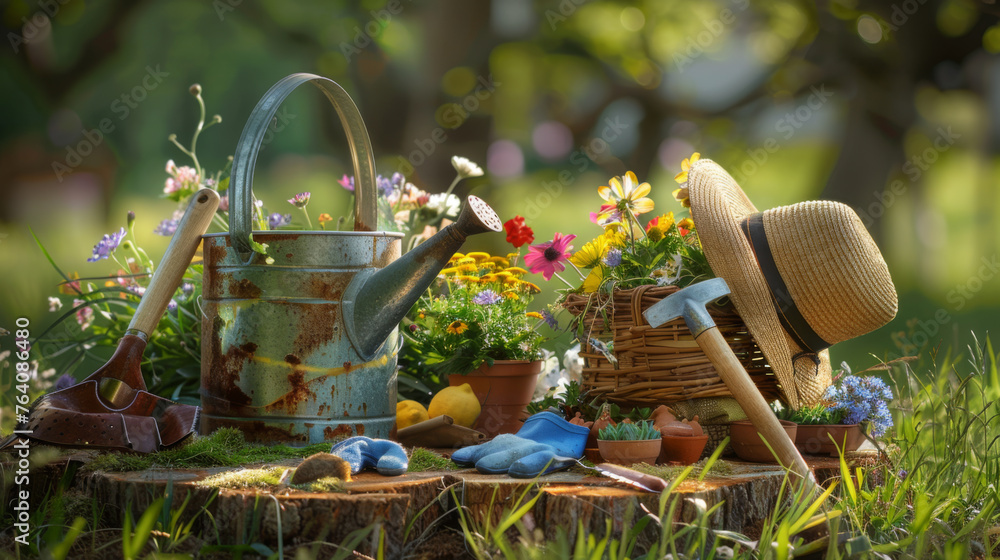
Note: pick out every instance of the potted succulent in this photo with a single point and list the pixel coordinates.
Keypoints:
(683, 442)
(629, 443)
(474, 327)
(853, 402)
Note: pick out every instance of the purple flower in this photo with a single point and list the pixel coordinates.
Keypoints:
(384, 185)
(613, 258)
(172, 306)
(300, 200)
(65, 381)
(397, 180)
(277, 220)
(347, 183)
(166, 228)
(487, 297)
(107, 245)
(550, 319)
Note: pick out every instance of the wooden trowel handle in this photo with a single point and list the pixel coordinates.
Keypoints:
(175, 261)
(752, 402)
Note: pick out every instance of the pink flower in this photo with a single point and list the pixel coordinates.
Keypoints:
(84, 315)
(546, 258)
(224, 203)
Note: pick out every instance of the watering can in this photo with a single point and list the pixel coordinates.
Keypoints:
(299, 345)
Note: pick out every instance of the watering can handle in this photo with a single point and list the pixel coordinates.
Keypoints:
(241, 198)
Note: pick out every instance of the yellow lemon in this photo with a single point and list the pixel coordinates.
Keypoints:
(409, 413)
(458, 402)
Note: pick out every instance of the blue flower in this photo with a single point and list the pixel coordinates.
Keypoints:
(384, 185)
(550, 319)
(487, 297)
(613, 258)
(277, 220)
(862, 399)
(107, 245)
(166, 228)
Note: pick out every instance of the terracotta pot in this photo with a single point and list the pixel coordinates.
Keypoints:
(504, 390)
(630, 452)
(748, 445)
(815, 439)
(593, 454)
(681, 449)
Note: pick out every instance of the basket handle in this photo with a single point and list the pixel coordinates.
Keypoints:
(245, 158)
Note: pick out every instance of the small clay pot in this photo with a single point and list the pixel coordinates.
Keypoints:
(630, 452)
(593, 454)
(815, 439)
(681, 449)
(748, 445)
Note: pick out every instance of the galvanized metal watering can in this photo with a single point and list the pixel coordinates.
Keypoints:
(303, 349)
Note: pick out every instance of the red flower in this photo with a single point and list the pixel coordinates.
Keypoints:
(518, 234)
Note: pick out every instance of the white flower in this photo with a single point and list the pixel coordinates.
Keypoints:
(55, 304)
(447, 206)
(465, 167)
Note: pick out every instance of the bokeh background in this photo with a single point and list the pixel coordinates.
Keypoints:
(890, 107)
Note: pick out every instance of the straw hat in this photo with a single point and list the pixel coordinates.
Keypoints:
(803, 277)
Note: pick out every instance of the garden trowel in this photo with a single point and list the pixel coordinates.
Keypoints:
(111, 408)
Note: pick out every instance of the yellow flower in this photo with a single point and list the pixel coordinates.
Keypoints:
(457, 327)
(478, 255)
(500, 262)
(534, 315)
(614, 235)
(449, 271)
(627, 193)
(454, 258)
(502, 274)
(511, 281)
(466, 260)
(686, 223)
(681, 194)
(517, 271)
(486, 265)
(532, 288)
(487, 278)
(682, 177)
(467, 279)
(591, 253)
(468, 268)
(511, 294)
(421, 315)
(658, 227)
(593, 280)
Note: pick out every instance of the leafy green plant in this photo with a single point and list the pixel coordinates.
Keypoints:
(476, 313)
(637, 431)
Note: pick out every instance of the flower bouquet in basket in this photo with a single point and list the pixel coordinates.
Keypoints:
(629, 265)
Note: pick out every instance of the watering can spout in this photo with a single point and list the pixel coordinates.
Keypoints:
(379, 301)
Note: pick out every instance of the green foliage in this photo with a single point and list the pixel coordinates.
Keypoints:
(637, 431)
(422, 460)
(812, 415)
(226, 447)
(476, 313)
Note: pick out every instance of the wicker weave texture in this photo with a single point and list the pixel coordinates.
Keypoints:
(658, 365)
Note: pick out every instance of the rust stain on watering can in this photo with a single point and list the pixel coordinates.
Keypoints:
(299, 345)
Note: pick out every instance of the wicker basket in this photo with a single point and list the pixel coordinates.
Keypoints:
(658, 365)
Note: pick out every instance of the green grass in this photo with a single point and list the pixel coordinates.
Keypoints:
(267, 477)
(423, 460)
(226, 447)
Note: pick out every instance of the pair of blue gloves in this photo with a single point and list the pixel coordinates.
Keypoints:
(545, 443)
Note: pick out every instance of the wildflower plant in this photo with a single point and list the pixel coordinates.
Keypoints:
(476, 313)
(853, 399)
(627, 253)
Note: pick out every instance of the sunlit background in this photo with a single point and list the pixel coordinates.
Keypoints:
(890, 107)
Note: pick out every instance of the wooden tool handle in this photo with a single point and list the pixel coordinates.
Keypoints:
(175, 261)
(752, 402)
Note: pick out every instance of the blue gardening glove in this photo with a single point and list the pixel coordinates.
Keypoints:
(533, 451)
(362, 453)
